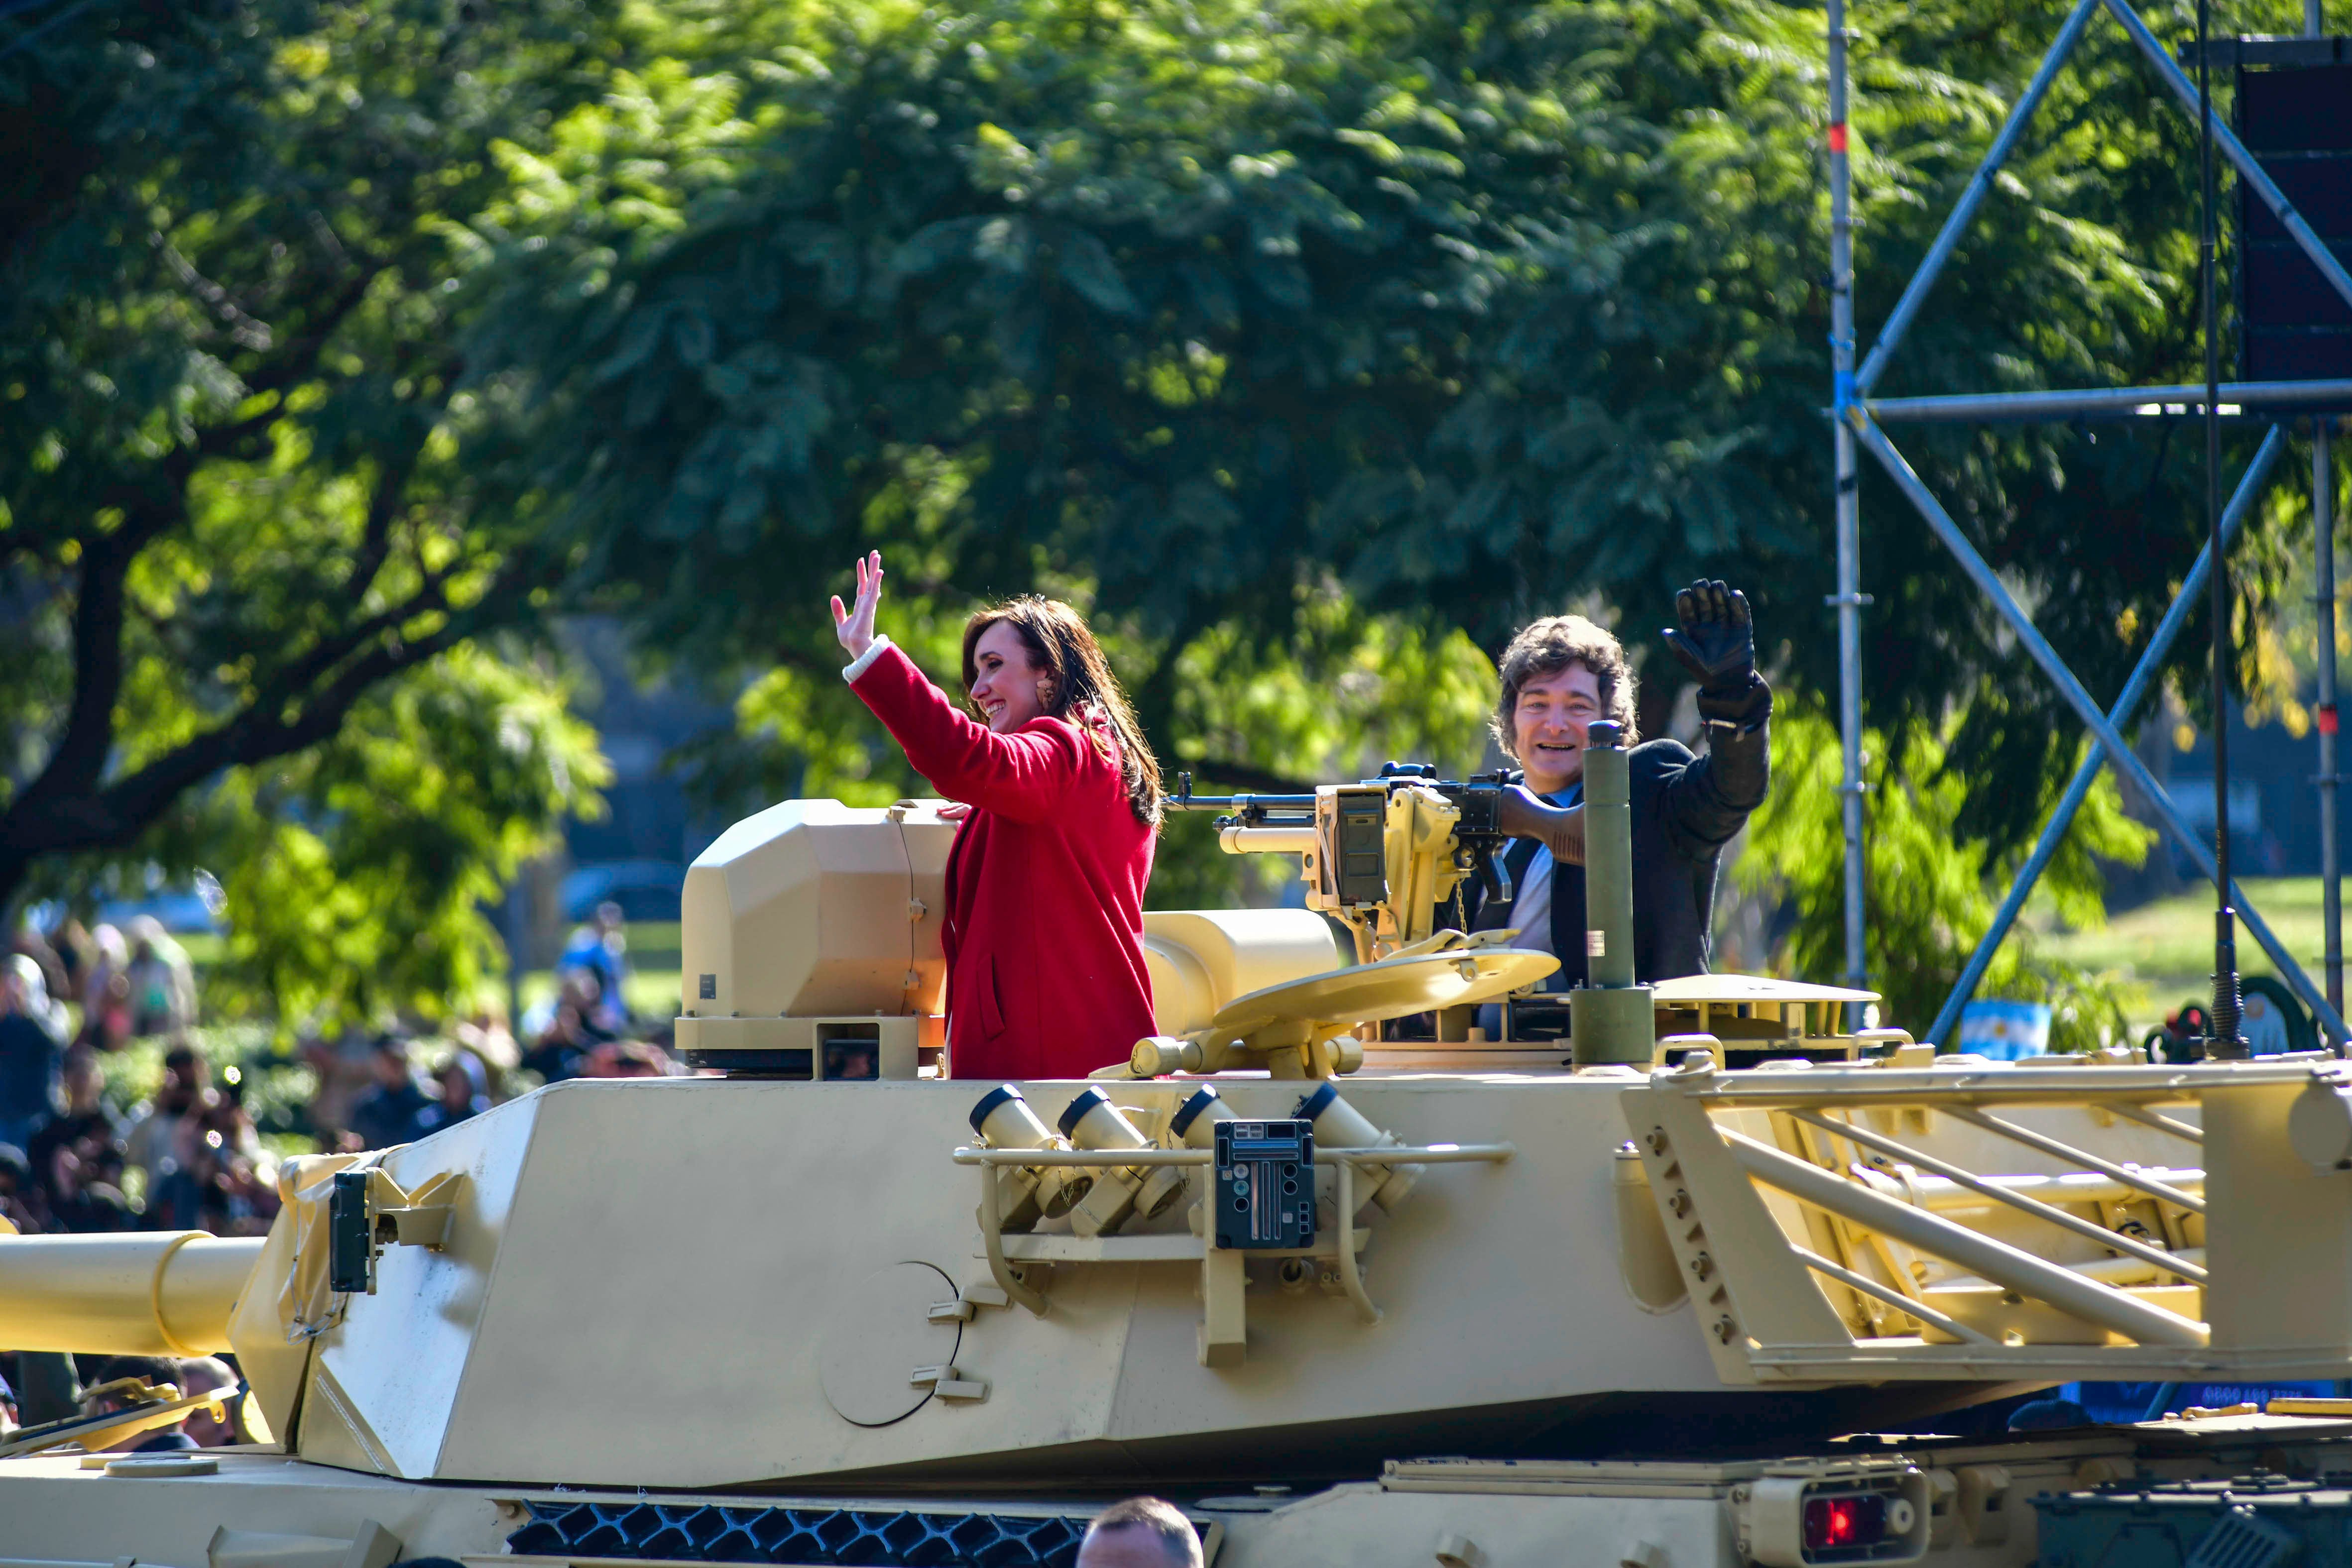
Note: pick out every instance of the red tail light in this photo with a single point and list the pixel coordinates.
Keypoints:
(1831, 1523)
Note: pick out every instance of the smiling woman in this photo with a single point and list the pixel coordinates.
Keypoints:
(1045, 885)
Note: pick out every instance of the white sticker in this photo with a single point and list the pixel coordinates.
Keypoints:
(1596, 944)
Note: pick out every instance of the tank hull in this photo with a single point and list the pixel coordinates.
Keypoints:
(268, 1510)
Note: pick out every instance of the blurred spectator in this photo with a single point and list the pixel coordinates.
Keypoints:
(85, 1114)
(346, 1070)
(202, 1374)
(397, 1110)
(31, 945)
(77, 957)
(485, 1034)
(152, 1370)
(31, 1055)
(214, 1179)
(19, 1200)
(162, 980)
(9, 1419)
(82, 1186)
(601, 948)
(465, 1089)
(106, 991)
(626, 1059)
(85, 1132)
(561, 1049)
(152, 1143)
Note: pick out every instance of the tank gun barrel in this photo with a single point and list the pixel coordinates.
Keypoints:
(142, 1294)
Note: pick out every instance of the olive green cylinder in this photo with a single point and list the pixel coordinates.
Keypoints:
(1608, 860)
(1611, 1022)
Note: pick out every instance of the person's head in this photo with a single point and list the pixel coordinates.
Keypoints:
(185, 1078)
(608, 916)
(155, 1371)
(202, 1374)
(577, 985)
(1140, 1532)
(85, 1080)
(389, 1062)
(147, 937)
(1033, 658)
(462, 1081)
(1559, 675)
(113, 950)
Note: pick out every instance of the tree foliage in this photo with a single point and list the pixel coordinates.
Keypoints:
(1469, 310)
(250, 536)
(1927, 885)
(1312, 346)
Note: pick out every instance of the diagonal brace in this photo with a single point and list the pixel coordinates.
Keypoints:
(1948, 240)
(2224, 139)
(2118, 752)
(2143, 675)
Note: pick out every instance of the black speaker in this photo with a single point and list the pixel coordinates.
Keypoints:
(2296, 120)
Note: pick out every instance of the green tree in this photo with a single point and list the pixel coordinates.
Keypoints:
(1926, 883)
(252, 551)
(1472, 311)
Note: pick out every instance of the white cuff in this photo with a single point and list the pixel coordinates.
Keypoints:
(865, 662)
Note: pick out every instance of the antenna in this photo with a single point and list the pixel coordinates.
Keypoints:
(2224, 1040)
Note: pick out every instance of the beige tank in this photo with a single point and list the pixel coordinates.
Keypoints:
(713, 1318)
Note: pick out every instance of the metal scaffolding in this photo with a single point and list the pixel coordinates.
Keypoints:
(1858, 421)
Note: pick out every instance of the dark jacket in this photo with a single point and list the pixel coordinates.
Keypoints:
(1685, 809)
(385, 1118)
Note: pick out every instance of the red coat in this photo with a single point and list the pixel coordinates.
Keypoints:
(1045, 919)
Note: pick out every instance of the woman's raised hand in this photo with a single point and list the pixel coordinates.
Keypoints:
(854, 626)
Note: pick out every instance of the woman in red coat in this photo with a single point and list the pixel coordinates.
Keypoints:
(1045, 885)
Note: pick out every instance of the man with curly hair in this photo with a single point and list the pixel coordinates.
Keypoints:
(1563, 673)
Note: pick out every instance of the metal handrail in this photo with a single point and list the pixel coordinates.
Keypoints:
(2024, 1204)
(1891, 1296)
(1998, 1261)
(1388, 1154)
(2139, 1180)
(1937, 1087)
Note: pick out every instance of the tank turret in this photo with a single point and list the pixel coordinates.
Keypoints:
(1274, 1245)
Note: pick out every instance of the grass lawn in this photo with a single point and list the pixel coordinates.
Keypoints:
(2166, 947)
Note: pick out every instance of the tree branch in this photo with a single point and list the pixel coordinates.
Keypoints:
(78, 759)
(114, 816)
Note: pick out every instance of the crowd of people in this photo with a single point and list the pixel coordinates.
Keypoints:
(189, 1155)
(126, 1385)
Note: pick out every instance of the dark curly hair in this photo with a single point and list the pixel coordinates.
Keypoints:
(1547, 646)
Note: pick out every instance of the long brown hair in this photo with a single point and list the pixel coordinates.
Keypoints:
(1080, 678)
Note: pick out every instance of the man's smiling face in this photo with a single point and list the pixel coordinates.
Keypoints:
(1548, 725)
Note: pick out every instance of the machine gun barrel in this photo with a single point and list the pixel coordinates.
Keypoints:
(1248, 810)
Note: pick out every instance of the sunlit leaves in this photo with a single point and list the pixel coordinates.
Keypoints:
(1930, 888)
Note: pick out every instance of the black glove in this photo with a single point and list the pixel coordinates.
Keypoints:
(1717, 641)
